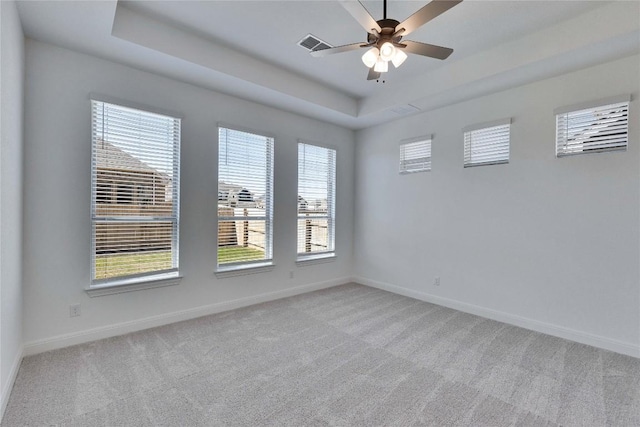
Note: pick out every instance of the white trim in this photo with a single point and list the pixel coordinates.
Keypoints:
(497, 162)
(8, 386)
(412, 172)
(427, 137)
(318, 144)
(243, 269)
(138, 284)
(321, 258)
(137, 106)
(592, 104)
(80, 337)
(226, 125)
(485, 125)
(599, 341)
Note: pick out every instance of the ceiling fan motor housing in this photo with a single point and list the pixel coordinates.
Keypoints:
(388, 27)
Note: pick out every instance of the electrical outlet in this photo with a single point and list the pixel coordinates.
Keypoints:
(74, 310)
(436, 282)
(291, 275)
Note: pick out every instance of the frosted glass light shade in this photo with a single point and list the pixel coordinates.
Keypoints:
(370, 57)
(381, 66)
(387, 51)
(398, 58)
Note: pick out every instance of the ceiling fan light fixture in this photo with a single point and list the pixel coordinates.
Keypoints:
(398, 58)
(387, 51)
(384, 36)
(370, 57)
(381, 66)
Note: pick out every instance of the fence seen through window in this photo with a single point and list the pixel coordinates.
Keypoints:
(245, 171)
(316, 200)
(135, 192)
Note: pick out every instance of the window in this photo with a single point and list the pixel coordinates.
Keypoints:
(487, 144)
(103, 190)
(134, 238)
(415, 155)
(245, 194)
(125, 194)
(143, 194)
(593, 129)
(316, 201)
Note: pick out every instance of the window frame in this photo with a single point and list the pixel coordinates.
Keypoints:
(469, 130)
(585, 106)
(257, 266)
(139, 281)
(428, 140)
(303, 258)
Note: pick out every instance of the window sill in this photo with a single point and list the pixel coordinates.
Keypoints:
(315, 259)
(224, 272)
(131, 285)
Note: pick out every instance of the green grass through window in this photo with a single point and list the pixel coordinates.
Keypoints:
(119, 265)
(228, 254)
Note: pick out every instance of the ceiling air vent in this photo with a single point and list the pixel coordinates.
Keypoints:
(403, 110)
(311, 43)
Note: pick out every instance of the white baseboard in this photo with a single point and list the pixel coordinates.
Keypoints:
(8, 385)
(628, 349)
(66, 340)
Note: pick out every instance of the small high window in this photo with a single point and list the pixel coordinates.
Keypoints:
(415, 155)
(593, 129)
(487, 144)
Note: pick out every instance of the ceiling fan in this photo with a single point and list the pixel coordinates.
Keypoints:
(384, 37)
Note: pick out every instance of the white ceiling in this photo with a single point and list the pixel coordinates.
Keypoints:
(249, 48)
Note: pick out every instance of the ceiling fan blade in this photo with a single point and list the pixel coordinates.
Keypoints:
(338, 49)
(362, 15)
(426, 14)
(373, 75)
(425, 49)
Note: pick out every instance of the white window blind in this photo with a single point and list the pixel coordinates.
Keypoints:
(415, 155)
(245, 194)
(592, 130)
(135, 188)
(316, 200)
(487, 144)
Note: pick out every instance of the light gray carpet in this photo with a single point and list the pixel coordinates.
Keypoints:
(345, 356)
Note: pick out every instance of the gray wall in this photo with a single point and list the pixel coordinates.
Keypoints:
(57, 196)
(547, 243)
(550, 244)
(11, 138)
